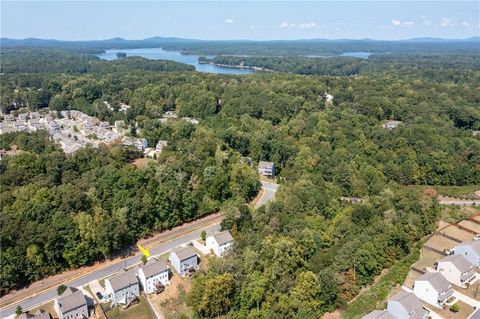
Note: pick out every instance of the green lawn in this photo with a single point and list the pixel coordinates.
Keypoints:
(140, 311)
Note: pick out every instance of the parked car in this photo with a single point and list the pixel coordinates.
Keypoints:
(99, 295)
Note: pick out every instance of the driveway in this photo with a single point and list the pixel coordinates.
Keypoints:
(270, 189)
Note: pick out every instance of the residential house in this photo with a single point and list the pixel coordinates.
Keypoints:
(328, 97)
(456, 269)
(23, 117)
(122, 287)
(266, 168)
(34, 125)
(8, 117)
(154, 274)
(160, 145)
(470, 250)
(19, 126)
(405, 305)
(5, 128)
(119, 125)
(39, 314)
(71, 304)
(34, 115)
(379, 314)
(184, 260)
(220, 243)
(390, 125)
(432, 287)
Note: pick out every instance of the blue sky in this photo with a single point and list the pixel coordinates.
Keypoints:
(87, 20)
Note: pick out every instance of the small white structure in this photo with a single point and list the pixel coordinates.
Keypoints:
(184, 260)
(470, 250)
(266, 168)
(221, 243)
(405, 305)
(328, 97)
(161, 144)
(122, 287)
(379, 314)
(433, 288)
(71, 304)
(153, 275)
(390, 125)
(456, 269)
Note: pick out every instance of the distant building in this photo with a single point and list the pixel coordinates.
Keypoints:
(153, 274)
(390, 125)
(122, 287)
(184, 260)
(71, 304)
(379, 314)
(161, 144)
(456, 269)
(470, 250)
(39, 314)
(120, 124)
(405, 305)
(266, 168)
(328, 97)
(433, 288)
(221, 243)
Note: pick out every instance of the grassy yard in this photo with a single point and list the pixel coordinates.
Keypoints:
(140, 311)
(374, 298)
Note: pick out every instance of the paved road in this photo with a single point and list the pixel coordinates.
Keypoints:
(270, 191)
(458, 201)
(161, 249)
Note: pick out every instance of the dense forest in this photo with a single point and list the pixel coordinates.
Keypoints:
(305, 254)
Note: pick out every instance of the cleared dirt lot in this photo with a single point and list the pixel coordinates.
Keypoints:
(441, 243)
(427, 260)
(470, 225)
(457, 233)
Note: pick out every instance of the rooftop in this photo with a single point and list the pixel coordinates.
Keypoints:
(71, 299)
(460, 262)
(154, 267)
(379, 314)
(123, 279)
(184, 253)
(437, 281)
(264, 164)
(223, 237)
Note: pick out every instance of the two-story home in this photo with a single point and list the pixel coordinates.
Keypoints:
(379, 314)
(153, 275)
(456, 269)
(71, 304)
(220, 243)
(405, 305)
(184, 260)
(432, 287)
(470, 250)
(266, 168)
(122, 287)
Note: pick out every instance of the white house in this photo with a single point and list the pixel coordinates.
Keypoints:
(71, 304)
(432, 287)
(379, 314)
(220, 243)
(456, 269)
(405, 305)
(154, 273)
(266, 168)
(122, 287)
(470, 250)
(184, 259)
(390, 125)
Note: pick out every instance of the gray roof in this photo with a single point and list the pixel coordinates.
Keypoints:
(410, 302)
(223, 237)
(263, 164)
(154, 267)
(184, 253)
(379, 314)
(475, 244)
(437, 281)
(71, 299)
(460, 262)
(123, 280)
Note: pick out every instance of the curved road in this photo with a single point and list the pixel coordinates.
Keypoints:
(269, 195)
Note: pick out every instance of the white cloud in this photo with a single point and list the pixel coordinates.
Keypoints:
(308, 25)
(396, 22)
(409, 23)
(427, 23)
(446, 22)
(465, 24)
(229, 21)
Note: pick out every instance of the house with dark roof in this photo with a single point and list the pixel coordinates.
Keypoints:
(266, 168)
(432, 287)
(39, 314)
(184, 260)
(153, 275)
(123, 287)
(221, 243)
(71, 304)
(470, 250)
(457, 270)
(379, 314)
(405, 305)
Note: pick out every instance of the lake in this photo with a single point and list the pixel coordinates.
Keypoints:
(159, 53)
